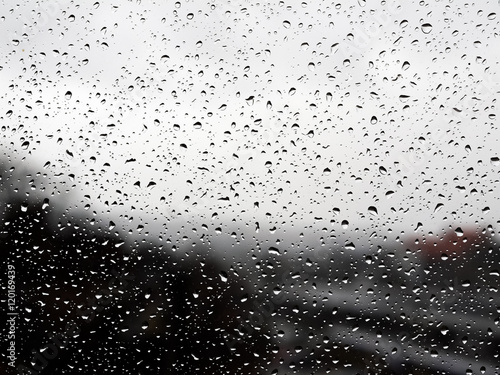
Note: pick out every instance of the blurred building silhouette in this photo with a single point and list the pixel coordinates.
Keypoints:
(134, 309)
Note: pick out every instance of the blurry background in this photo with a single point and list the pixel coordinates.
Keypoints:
(337, 160)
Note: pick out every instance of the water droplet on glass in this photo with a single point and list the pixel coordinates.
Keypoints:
(373, 210)
(274, 251)
(223, 276)
(426, 28)
(286, 24)
(197, 125)
(68, 95)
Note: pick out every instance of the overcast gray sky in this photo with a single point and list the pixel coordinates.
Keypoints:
(286, 114)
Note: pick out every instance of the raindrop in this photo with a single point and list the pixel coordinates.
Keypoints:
(426, 28)
(345, 224)
(350, 246)
(190, 16)
(286, 24)
(250, 100)
(197, 125)
(68, 95)
(223, 276)
(495, 161)
(268, 164)
(438, 207)
(382, 170)
(311, 66)
(373, 210)
(459, 232)
(406, 65)
(145, 325)
(274, 251)
(492, 16)
(327, 171)
(373, 120)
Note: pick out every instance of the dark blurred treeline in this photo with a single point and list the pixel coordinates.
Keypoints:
(89, 302)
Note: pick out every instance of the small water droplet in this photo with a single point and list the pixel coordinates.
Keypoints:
(68, 95)
(223, 276)
(286, 24)
(426, 28)
(373, 210)
(274, 251)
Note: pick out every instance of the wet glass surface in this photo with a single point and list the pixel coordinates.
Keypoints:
(250, 188)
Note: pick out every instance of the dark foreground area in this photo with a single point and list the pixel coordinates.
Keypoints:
(87, 301)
